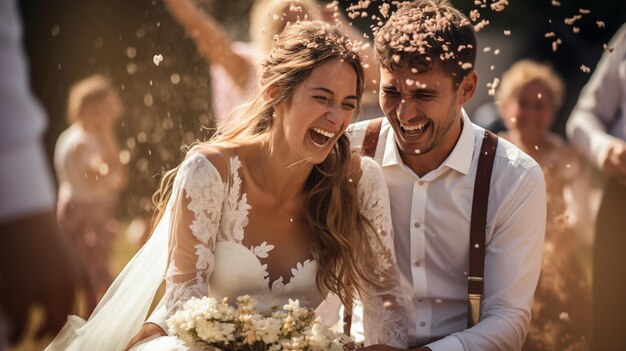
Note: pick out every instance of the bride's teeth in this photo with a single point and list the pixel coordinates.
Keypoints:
(324, 133)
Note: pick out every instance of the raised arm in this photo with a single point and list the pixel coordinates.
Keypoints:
(384, 317)
(210, 40)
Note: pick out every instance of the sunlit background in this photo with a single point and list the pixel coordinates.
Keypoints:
(165, 83)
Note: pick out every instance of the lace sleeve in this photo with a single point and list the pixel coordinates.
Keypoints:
(196, 210)
(384, 318)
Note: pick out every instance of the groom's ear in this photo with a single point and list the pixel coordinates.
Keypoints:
(467, 88)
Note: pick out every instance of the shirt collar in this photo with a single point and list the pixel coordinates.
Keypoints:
(460, 159)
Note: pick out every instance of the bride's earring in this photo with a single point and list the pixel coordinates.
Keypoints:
(273, 113)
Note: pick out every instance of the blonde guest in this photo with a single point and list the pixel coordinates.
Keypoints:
(529, 98)
(90, 177)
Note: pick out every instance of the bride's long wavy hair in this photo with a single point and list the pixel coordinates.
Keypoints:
(338, 230)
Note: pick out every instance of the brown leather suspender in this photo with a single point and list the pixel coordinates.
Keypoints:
(478, 227)
(371, 137)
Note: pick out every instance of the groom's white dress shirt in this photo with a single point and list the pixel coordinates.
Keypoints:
(431, 221)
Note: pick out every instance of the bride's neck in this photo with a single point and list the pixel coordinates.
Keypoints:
(276, 174)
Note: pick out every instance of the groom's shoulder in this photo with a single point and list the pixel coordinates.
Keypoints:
(356, 131)
(511, 164)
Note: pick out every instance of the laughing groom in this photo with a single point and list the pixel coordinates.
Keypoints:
(468, 209)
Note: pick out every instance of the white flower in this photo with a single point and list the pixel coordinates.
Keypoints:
(207, 322)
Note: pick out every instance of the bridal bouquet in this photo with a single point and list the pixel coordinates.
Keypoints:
(215, 325)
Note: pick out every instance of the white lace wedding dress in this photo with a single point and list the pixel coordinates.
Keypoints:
(206, 258)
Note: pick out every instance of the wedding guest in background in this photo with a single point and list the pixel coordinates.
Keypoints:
(597, 128)
(234, 64)
(529, 99)
(36, 265)
(91, 178)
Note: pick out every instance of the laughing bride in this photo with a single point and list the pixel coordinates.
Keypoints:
(276, 206)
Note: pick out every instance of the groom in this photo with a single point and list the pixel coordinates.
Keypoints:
(430, 151)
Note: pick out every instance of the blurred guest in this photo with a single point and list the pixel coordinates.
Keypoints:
(529, 99)
(91, 177)
(35, 265)
(234, 65)
(597, 127)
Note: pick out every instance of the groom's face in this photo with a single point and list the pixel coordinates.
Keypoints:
(422, 107)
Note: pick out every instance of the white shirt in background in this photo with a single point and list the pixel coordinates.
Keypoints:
(600, 114)
(25, 180)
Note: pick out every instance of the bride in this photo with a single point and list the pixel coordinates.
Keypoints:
(276, 206)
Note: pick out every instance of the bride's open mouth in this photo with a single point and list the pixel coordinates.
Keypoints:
(320, 137)
(415, 129)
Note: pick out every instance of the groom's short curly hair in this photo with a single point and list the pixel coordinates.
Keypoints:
(425, 33)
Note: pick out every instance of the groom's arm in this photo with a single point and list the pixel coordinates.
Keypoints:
(512, 265)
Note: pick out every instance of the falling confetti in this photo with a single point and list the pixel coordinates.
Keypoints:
(157, 59)
(607, 48)
(499, 5)
(507, 32)
(384, 10)
(572, 20)
(474, 15)
(585, 69)
(600, 24)
(555, 44)
(480, 25)
(493, 85)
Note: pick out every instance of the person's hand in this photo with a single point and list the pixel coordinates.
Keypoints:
(380, 347)
(147, 330)
(615, 162)
(37, 267)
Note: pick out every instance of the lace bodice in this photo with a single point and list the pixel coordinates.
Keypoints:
(207, 257)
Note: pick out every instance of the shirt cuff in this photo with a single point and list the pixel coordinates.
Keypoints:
(601, 144)
(158, 317)
(449, 343)
(25, 181)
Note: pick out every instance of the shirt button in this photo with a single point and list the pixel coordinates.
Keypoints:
(417, 224)
(421, 182)
(422, 324)
(418, 263)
